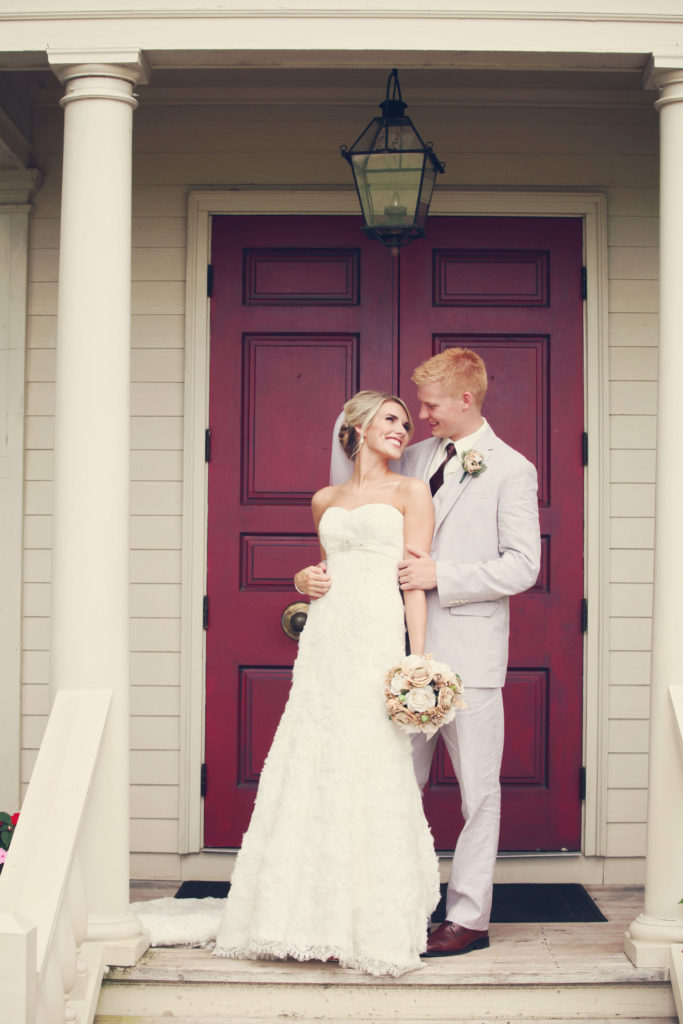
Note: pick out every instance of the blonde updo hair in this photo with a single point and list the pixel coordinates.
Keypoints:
(359, 412)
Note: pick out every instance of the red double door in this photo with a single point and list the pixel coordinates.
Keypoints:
(305, 311)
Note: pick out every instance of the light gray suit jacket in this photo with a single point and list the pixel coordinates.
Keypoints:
(486, 546)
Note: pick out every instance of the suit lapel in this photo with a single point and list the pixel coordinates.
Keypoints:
(423, 463)
(454, 487)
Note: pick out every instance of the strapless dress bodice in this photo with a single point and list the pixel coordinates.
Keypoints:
(375, 528)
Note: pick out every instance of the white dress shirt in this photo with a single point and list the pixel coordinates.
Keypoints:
(462, 445)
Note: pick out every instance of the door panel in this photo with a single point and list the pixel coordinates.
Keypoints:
(473, 284)
(302, 315)
(305, 311)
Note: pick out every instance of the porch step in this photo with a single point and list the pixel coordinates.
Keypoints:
(172, 1019)
(532, 973)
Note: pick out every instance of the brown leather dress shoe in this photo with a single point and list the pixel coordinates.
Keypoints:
(451, 939)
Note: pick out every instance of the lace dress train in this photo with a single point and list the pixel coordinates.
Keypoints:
(338, 860)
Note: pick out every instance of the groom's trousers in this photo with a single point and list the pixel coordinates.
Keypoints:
(474, 740)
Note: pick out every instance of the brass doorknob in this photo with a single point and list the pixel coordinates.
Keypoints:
(294, 619)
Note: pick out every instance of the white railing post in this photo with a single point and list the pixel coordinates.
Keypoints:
(49, 972)
(18, 974)
(676, 951)
(677, 978)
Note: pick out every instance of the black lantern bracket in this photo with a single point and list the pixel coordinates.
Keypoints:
(394, 172)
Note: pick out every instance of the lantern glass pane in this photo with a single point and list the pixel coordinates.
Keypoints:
(428, 184)
(402, 137)
(368, 139)
(389, 186)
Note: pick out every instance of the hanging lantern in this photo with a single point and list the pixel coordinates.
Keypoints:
(394, 172)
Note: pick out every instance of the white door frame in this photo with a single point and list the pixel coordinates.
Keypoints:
(591, 207)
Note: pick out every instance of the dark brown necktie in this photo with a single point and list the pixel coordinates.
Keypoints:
(436, 479)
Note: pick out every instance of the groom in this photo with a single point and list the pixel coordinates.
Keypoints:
(486, 546)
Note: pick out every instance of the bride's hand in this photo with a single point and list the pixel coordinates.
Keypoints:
(313, 581)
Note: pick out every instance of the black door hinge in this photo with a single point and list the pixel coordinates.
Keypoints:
(207, 445)
(209, 280)
(205, 612)
(582, 783)
(584, 615)
(584, 449)
(584, 283)
(202, 783)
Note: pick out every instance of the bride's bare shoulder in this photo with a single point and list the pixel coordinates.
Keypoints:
(322, 499)
(413, 488)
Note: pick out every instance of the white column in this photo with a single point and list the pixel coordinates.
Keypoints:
(90, 594)
(650, 936)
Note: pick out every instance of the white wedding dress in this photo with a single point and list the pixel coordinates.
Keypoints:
(338, 860)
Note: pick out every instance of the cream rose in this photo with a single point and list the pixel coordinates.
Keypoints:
(420, 700)
(394, 705)
(398, 684)
(442, 673)
(455, 682)
(446, 698)
(417, 670)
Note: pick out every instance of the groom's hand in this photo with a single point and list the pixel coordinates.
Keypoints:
(417, 572)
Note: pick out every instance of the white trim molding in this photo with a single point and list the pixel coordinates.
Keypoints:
(129, 64)
(592, 208)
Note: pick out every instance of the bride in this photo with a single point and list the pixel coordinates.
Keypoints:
(338, 861)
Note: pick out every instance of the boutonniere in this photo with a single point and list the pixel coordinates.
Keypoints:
(472, 463)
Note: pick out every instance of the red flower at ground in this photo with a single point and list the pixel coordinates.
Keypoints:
(15, 819)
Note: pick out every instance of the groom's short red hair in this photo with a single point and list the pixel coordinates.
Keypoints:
(456, 370)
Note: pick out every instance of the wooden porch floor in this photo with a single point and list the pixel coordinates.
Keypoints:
(564, 953)
(528, 971)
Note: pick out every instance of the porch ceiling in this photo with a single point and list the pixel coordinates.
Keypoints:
(217, 77)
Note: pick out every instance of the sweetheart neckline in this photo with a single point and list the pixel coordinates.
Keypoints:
(367, 504)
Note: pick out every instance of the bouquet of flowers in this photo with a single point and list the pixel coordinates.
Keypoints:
(8, 823)
(422, 694)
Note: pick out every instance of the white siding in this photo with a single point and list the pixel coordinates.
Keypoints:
(224, 144)
(633, 269)
(156, 488)
(13, 290)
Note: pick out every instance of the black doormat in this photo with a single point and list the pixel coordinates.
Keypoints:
(200, 890)
(526, 903)
(512, 903)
